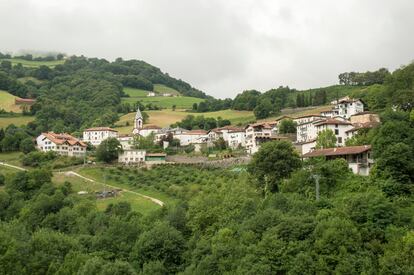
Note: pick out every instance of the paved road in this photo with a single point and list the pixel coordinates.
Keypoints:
(72, 173)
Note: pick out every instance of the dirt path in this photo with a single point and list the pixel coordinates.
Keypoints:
(154, 200)
(72, 173)
(13, 166)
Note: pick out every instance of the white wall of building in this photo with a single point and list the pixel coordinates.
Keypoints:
(131, 156)
(95, 137)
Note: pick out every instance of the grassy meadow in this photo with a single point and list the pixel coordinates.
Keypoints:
(17, 120)
(160, 88)
(138, 203)
(7, 102)
(181, 102)
(35, 64)
(165, 118)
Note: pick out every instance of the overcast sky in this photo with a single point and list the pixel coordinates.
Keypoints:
(221, 46)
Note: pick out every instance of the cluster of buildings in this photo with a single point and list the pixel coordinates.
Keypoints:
(346, 118)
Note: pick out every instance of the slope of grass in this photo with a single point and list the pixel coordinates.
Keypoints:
(35, 64)
(133, 92)
(137, 203)
(17, 120)
(160, 88)
(165, 118)
(7, 102)
(181, 102)
(11, 158)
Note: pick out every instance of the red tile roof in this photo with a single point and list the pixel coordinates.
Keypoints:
(339, 151)
(63, 138)
(333, 121)
(151, 126)
(100, 129)
(195, 132)
(359, 126)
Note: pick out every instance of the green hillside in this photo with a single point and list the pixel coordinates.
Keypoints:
(134, 93)
(34, 64)
(160, 89)
(7, 102)
(181, 102)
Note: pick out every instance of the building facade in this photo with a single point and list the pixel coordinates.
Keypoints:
(132, 156)
(359, 158)
(62, 144)
(98, 134)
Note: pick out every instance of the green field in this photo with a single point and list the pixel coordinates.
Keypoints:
(7, 102)
(181, 102)
(35, 64)
(160, 88)
(165, 118)
(11, 158)
(138, 203)
(98, 174)
(132, 92)
(17, 120)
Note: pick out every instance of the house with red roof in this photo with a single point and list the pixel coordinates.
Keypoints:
(63, 144)
(359, 158)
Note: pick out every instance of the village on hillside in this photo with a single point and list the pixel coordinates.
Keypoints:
(345, 119)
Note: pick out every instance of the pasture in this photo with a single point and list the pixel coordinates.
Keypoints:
(35, 64)
(17, 120)
(7, 102)
(165, 118)
(181, 102)
(160, 88)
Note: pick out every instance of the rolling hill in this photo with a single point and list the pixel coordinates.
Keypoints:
(34, 64)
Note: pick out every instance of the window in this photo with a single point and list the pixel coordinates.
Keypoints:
(336, 131)
(339, 139)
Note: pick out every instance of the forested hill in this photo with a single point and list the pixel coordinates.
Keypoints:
(80, 92)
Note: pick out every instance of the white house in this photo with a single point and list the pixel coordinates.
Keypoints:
(63, 144)
(306, 146)
(236, 138)
(256, 132)
(339, 127)
(348, 107)
(190, 137)
(96, 135)
(151, 94)
(358, 157)
(307, 131)
(307, 118)
(126, 141)
(149, 129)
(132, 156)
(233, 136)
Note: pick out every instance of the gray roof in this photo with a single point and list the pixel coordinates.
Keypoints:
(138, 114)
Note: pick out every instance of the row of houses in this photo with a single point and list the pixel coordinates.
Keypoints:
(346, 118)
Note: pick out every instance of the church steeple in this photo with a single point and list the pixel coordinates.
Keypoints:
(138, 122)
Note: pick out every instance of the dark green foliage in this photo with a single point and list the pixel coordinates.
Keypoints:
(191, 122)
(273, 162)
(367, 78)
(287, 126)
(108, 150)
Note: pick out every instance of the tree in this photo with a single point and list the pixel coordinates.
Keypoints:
(27, 146)
(109, 150)
(161, 243)
(174, 107)
(326, 139)
(396, 162)
(287, 126)
(273, 162)
(263, 109)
